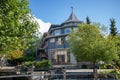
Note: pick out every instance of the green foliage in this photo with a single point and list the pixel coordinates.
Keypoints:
(118, 63)
(116, 73)
(91, 45)
(32, 49)
(113, 29)
(16, 54)
(106, 66)
(42, 64)
(27, 58)
(116, 40)
(28, 64)
(112, 72)
(15, 59)
(15, 62)
(39, 64)
(17, 25)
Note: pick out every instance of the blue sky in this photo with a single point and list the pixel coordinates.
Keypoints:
(57, 11)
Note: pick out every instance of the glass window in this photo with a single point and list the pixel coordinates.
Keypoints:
(57, 32)
(59, 41)
(52, 40)
(67, 30)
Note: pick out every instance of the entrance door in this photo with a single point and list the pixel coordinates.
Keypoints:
(61, 59)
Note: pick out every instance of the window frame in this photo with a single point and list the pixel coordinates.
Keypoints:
(57, 32)
(52, 40)
(66, 30)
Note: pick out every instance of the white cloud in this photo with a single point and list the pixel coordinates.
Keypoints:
(44, 26)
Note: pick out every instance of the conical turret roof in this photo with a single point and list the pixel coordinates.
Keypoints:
(72, 17)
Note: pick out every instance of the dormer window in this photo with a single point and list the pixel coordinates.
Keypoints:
(67, 31)
(57, 32)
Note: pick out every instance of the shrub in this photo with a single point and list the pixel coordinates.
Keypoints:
(42, 64)
(28, 58)
(38, 64)
(28, 64)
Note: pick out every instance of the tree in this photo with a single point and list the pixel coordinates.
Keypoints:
(17, 25)
(87, 20)
(116, 40)
(15, 57)
(91, 45)
(16, 54)
(113, 29)
(34, 45)
(113, 32)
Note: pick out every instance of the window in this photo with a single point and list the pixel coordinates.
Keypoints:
(61, 56)
(57, 32)
(67, 30)
(52, 40)
(59, 41)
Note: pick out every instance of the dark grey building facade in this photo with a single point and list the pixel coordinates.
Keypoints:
(54, 44)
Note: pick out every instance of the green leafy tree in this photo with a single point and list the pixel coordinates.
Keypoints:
(116, 40)
(89, 45)
(17, 25)
(113, 32)
(34, 45)
(16, 54)
(87, 20)
(113, 29)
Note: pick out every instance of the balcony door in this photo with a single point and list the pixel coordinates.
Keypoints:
(61, 59)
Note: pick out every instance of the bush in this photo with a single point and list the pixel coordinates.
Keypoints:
(15, 62)
(28, 58)
(39, 64)
(42, 64)
(28, 64)
(106, 66)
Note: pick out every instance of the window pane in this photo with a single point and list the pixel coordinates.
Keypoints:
(52, 40)
(67, 30)
(59, 42)
(57, 32)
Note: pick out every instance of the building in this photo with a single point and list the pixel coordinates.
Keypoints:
(54, 44)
